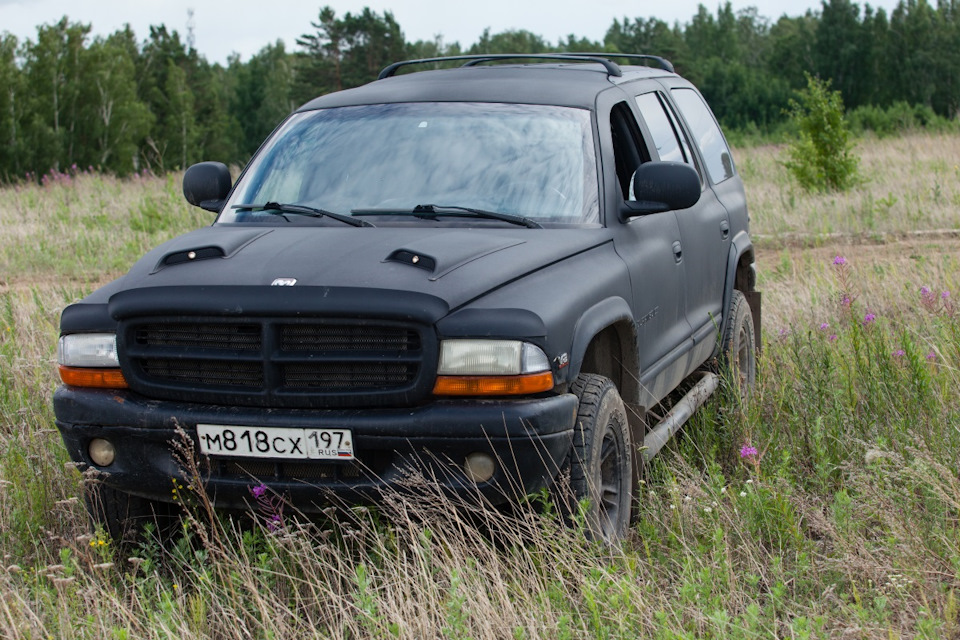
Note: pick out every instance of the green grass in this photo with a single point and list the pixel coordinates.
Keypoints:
(844, 525)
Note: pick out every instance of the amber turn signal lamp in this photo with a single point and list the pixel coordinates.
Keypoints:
(493, 385)
(100, 378)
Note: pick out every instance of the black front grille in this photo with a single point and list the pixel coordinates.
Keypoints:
(356, 376)
(214, 373)
(313, 337)
(243, 337)
(313, 363)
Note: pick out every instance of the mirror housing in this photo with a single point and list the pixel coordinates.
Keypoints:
(662, 186)
(206, 185)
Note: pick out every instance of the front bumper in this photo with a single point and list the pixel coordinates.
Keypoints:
(529, 440)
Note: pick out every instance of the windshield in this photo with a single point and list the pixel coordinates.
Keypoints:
(528, 160)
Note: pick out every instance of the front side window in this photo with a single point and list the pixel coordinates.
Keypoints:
(661, 129)
(706, 133)
(530, 160)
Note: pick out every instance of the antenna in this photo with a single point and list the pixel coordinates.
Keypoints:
(191, 40)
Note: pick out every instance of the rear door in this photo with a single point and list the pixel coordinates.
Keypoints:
(705, 227)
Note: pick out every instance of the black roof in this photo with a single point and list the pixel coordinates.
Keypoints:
(572, 84)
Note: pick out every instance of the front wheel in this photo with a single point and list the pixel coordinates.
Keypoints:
(601, 461)
(123, 515)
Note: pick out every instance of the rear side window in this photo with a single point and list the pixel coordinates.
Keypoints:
(706, 133)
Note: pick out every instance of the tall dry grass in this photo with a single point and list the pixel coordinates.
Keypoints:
(84, 226)
(844, 524)
(910, 184)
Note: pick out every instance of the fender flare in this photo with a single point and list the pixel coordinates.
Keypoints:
(740, 246)
(600, 316)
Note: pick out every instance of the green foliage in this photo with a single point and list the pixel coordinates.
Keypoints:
(12, 107)
(347, 52)
(116, 118)
(264, 93)
(822, 158)
(510, 41)
(122, 105)
(898, 118)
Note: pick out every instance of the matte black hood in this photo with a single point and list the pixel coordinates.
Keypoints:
(455, 265)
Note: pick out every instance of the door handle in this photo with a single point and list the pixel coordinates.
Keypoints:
(677, 251)
(724, 229)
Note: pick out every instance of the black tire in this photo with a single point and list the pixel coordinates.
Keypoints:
(739, 346)
(601, 462)
(123, 515)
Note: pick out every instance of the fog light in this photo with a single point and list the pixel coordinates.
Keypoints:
(479, 467)
(102, 452)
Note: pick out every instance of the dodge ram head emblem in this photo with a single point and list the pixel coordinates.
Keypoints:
(283, 282)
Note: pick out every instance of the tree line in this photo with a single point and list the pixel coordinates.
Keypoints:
(121, 105)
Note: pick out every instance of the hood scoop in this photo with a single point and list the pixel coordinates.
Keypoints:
(204, 253)
(225, 243)
(445, 253)
(404, 256)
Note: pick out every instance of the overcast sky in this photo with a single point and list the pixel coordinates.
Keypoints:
(222, 27)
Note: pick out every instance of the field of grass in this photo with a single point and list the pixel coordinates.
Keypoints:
(843, 524)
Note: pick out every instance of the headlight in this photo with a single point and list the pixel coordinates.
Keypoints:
(490, 358)
(474, 367)
(88, 350)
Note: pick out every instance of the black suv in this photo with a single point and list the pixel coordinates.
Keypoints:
(491, 273)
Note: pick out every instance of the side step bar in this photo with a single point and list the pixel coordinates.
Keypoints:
(681, 412)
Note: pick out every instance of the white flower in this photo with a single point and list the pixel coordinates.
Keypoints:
(743, 494)
(750, 481)
(723, 489)
(708, 510)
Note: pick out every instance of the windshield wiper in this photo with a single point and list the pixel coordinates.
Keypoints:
(303, 210)
(432, 211)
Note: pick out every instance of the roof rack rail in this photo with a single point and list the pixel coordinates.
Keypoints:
(662, 63)
(612, 68)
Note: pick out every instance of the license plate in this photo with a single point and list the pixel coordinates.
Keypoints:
(270, 442)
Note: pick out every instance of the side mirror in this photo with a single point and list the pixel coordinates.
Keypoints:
(662, 186)
(206, 185)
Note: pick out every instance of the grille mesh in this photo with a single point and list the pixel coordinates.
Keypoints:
(314, 337)
(243, 337)
(357, 375)
(215, 373)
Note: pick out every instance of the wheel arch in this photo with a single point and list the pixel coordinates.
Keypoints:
(604, 343)
(742, 276)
